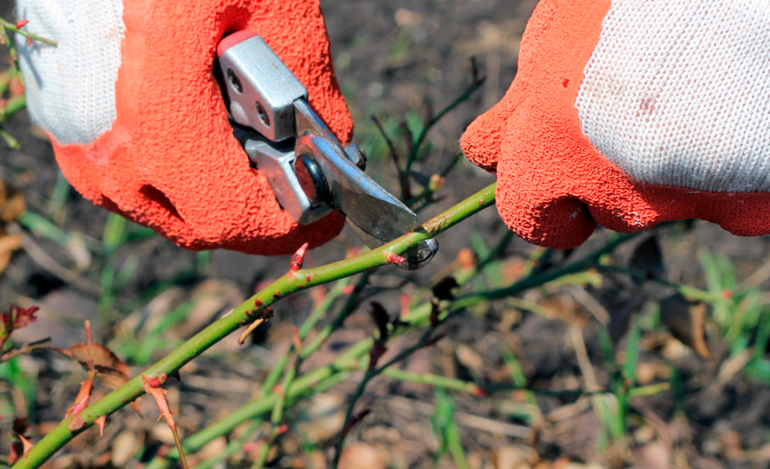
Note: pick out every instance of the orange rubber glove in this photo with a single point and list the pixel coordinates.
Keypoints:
(629, 113)
(138, 122)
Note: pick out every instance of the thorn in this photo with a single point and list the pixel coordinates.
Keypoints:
(21, 23)
(101, 422)
(27, 445)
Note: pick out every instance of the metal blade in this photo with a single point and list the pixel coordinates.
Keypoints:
(356, 195)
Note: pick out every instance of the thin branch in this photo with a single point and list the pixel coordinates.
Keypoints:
(403, 176)
(476, 83)
(12, 27)
(27, 349)
(317, 380)
(244, 314)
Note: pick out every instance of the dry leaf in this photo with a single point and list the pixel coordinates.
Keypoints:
(8, 244)
(110, 370)
(12, 203)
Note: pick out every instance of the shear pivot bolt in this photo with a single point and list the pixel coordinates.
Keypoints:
(311, 180)
(235, 82)
(262, 113)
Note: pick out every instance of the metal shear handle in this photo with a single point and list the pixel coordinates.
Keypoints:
(309, 170)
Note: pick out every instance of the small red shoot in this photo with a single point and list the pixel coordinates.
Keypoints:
(21, 23)
(152, 387)
(297, 260)
(15, 318)
(393, 258)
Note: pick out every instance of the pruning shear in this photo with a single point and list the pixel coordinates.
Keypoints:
(309, 170)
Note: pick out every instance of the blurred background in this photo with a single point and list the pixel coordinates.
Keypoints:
(655, 361)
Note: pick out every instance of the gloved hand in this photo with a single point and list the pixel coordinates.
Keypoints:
(630, 113)
(138, 122)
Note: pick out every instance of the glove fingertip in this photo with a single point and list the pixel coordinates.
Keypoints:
(545, 218)
(482, 140)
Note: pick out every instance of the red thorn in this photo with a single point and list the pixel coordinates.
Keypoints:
(298, 259)
(29, 41)
(26, 444)
(348, 289)
(277, 296)
(282, 429)
(21, 23)
(727, 294)
(258, 303)
(308, 278)
(100, 422)
(479, 392)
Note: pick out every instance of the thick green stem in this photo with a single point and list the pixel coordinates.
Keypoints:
(418, 316)
(248, 312)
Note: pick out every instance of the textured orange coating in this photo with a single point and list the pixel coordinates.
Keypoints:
(170, 161)
(554, 186)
